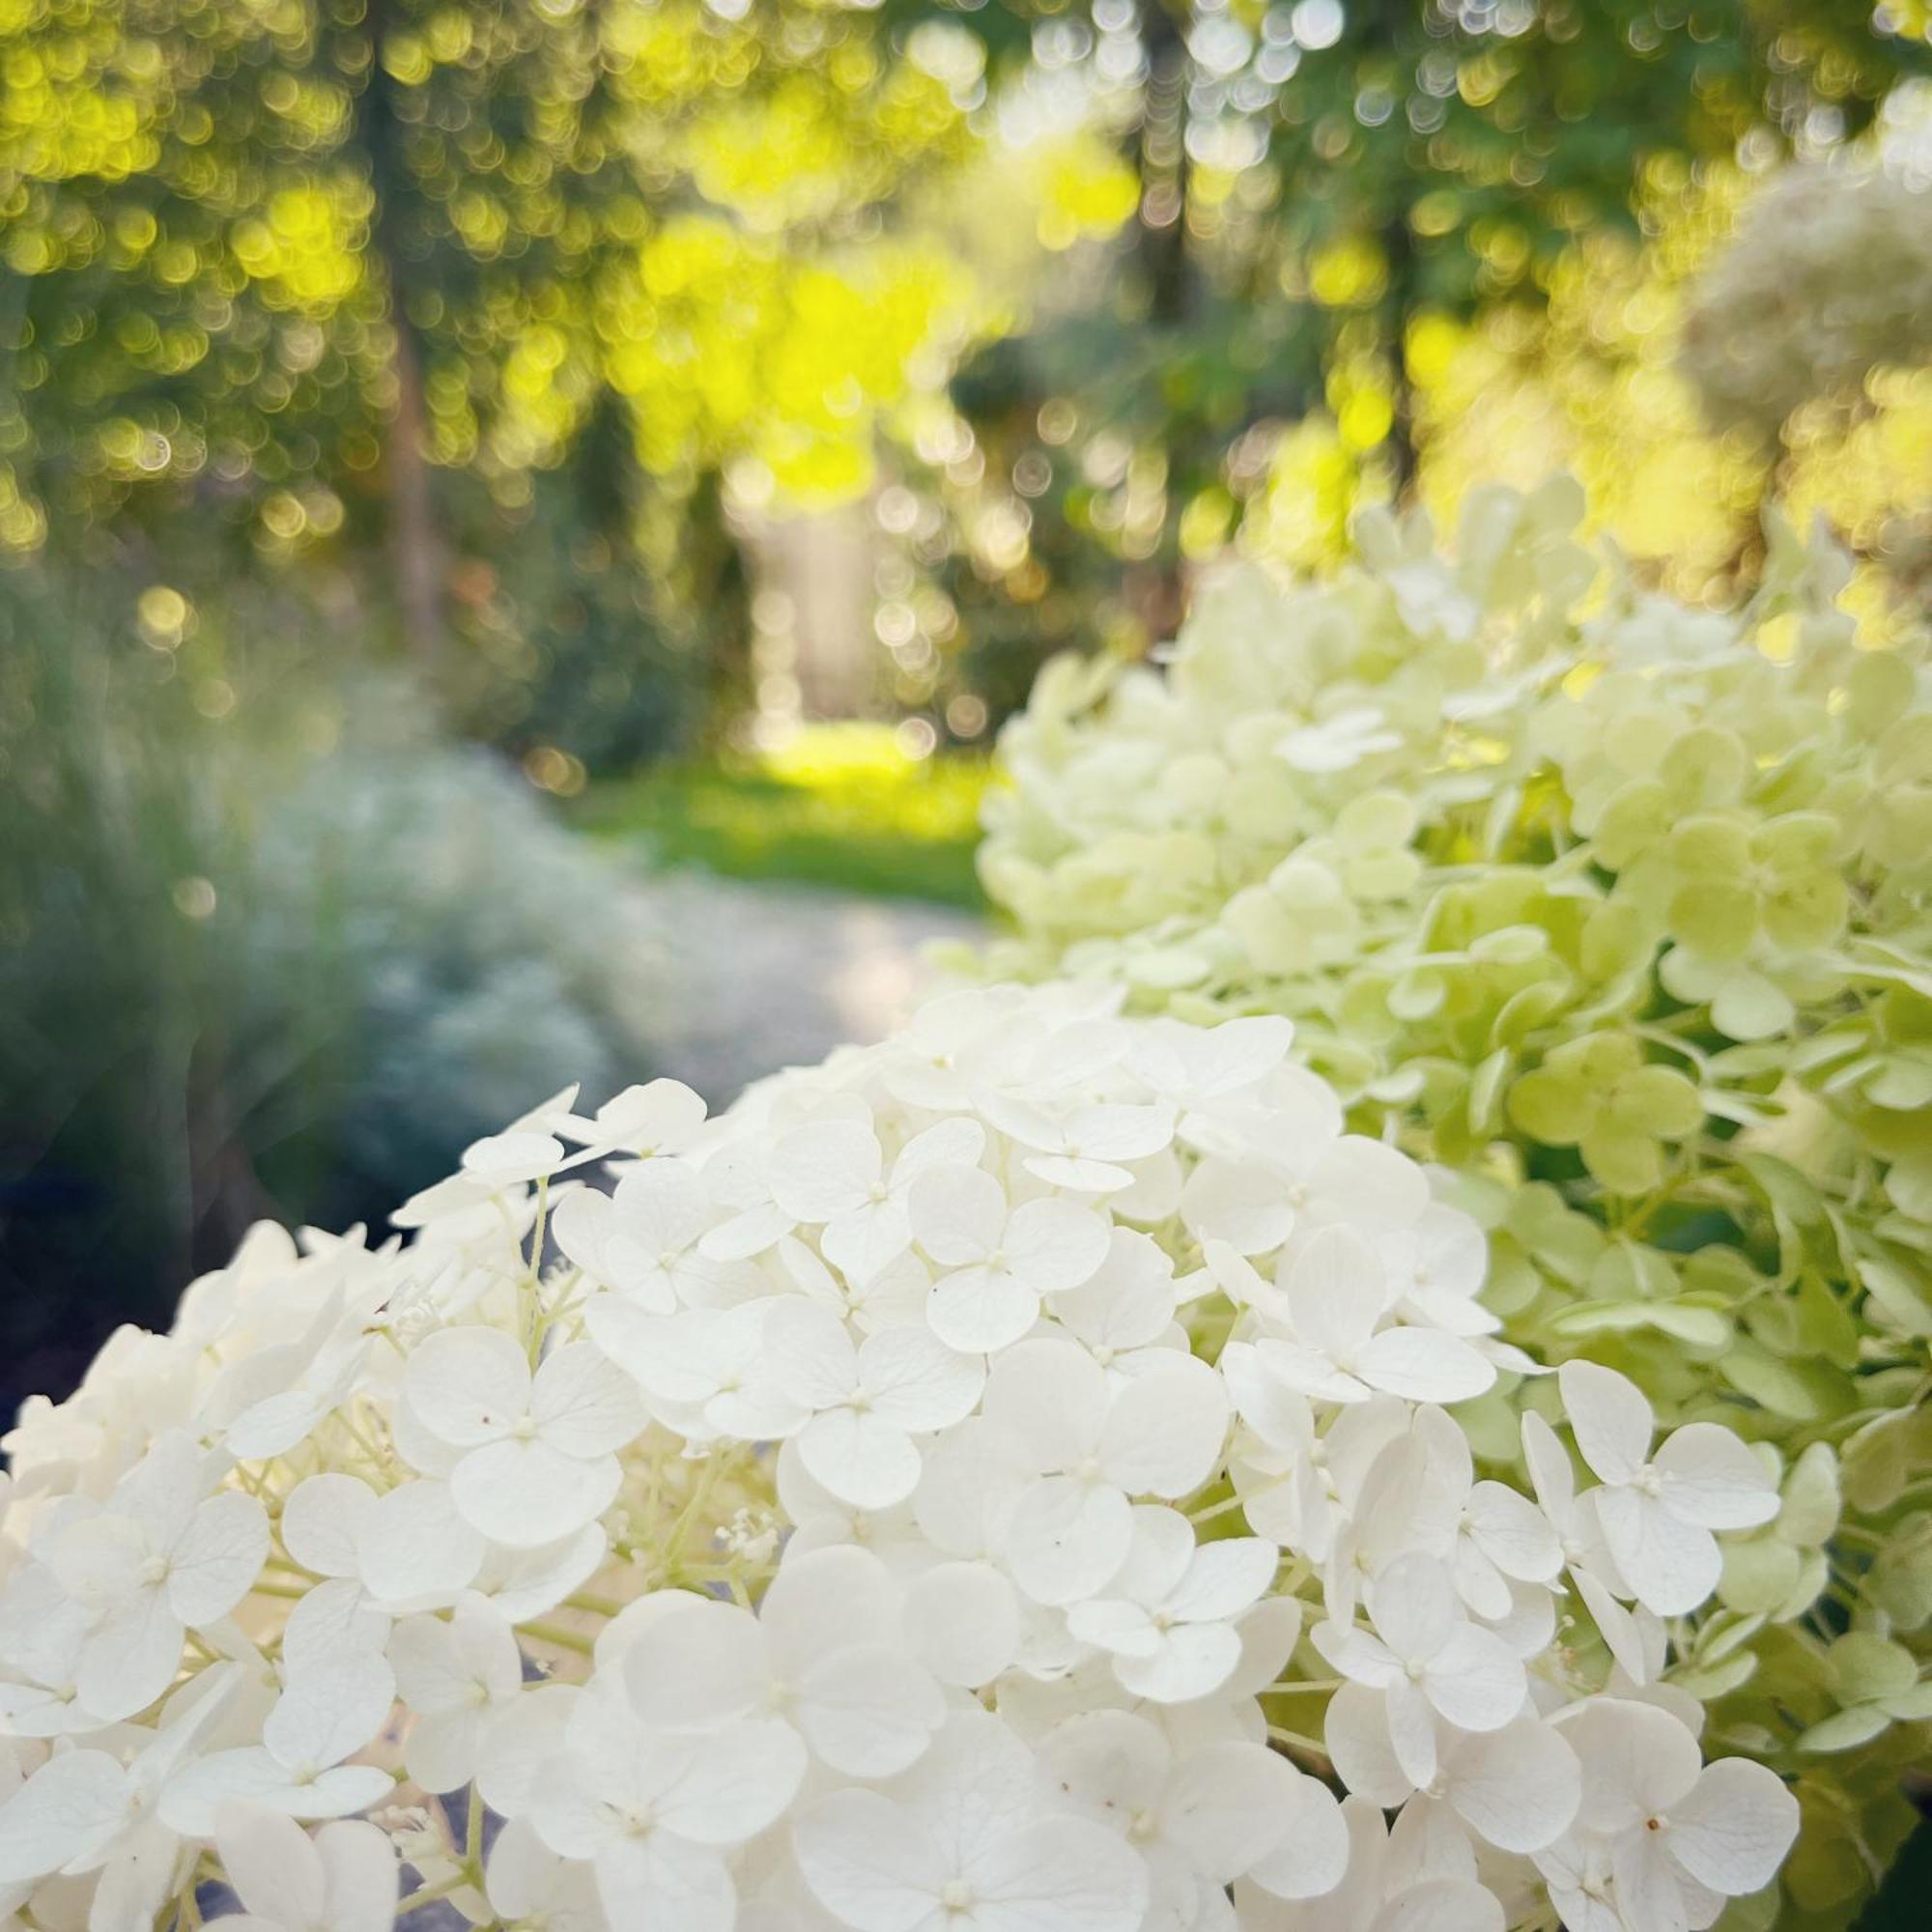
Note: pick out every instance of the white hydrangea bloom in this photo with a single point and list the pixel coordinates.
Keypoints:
(892, 1507)
(1828, 279)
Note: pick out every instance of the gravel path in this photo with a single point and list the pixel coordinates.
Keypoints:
(776, 975)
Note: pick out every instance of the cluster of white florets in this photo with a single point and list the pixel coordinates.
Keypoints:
(1002, 1479)
(1827, 281)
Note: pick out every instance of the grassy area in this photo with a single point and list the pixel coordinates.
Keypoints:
(844, 805)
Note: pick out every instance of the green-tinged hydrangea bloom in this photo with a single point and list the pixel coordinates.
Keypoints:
(1620, 911)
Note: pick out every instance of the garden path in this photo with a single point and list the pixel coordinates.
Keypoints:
(776, 975)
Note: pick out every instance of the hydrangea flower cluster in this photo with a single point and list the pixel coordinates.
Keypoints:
(1013, 1477)
(1620, 911)
(1829, 278)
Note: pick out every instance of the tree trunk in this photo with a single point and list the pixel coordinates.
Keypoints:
(1157, 590)
(1399, 251)
(415, 545)
(1385, 26)
(1162, 165)
(415, 542)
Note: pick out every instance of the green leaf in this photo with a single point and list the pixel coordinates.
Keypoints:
(1798, 1391)
(1758, 1575)
(1866, 1667)
(1906, 1305)
(1684, 1321)
(1844, 1731)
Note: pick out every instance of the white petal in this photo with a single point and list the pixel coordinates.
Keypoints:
(812, 1357)
(676, 1358)
(1638, 1761)
(1650, 1883)
(1357, 1656)
(1441, 1904)
(825, 1170)
(430, 1676)
(521, 1746)
(358, 1863)
(1612, 1421)
(1223, 1578)
(1228, 1804)
(1165, 1428)
(321, 1520)
(1622, 1634)
(1712, 1479)
(71, 1807)
(441, 1752)
(1336, 1288)
(1358, 1736)
(868, 1710)
(868, 1862)
(1670, 1565)
(1733, 1831)
(329, 1711)
(335, 1616)
(1311, 1854)
(584, 1405)
(467, 1385)
(524, 1584)
(973, 1475)
(1514, 1534)
(662, 1880)
(1424, 1365)
(1369, 1183)
(980, 1310)
(822, 1599)
(964, 1620)
(1411, 1730)
(1061, 1873)
(1309, 1373)
(1244, 1205)
(1113, 1765)
(1520, 1786)
(1413, 1605)
(916, 1382)
(524, 1493)
(1475, 1680)
(271, 1864)
(193, 1799)
(1067, 1538)
(862, 1460)
(1549, 1464)
(132, 1659)
(659, 1208)
(214, 1565)
(740, 1780)
(1054, 1244)
(958, 1214)
(1191, 1661)
(1052, 1396)
(699, 1664)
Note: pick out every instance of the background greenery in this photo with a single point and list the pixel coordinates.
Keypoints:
(403, 403)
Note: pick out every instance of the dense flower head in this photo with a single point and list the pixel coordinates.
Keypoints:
(1033, 1473)
(1617, 911)
(1827, 283)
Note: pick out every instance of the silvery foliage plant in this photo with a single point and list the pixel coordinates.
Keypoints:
(1009, 1478)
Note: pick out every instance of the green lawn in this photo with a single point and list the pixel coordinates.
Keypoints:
(842, 806)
